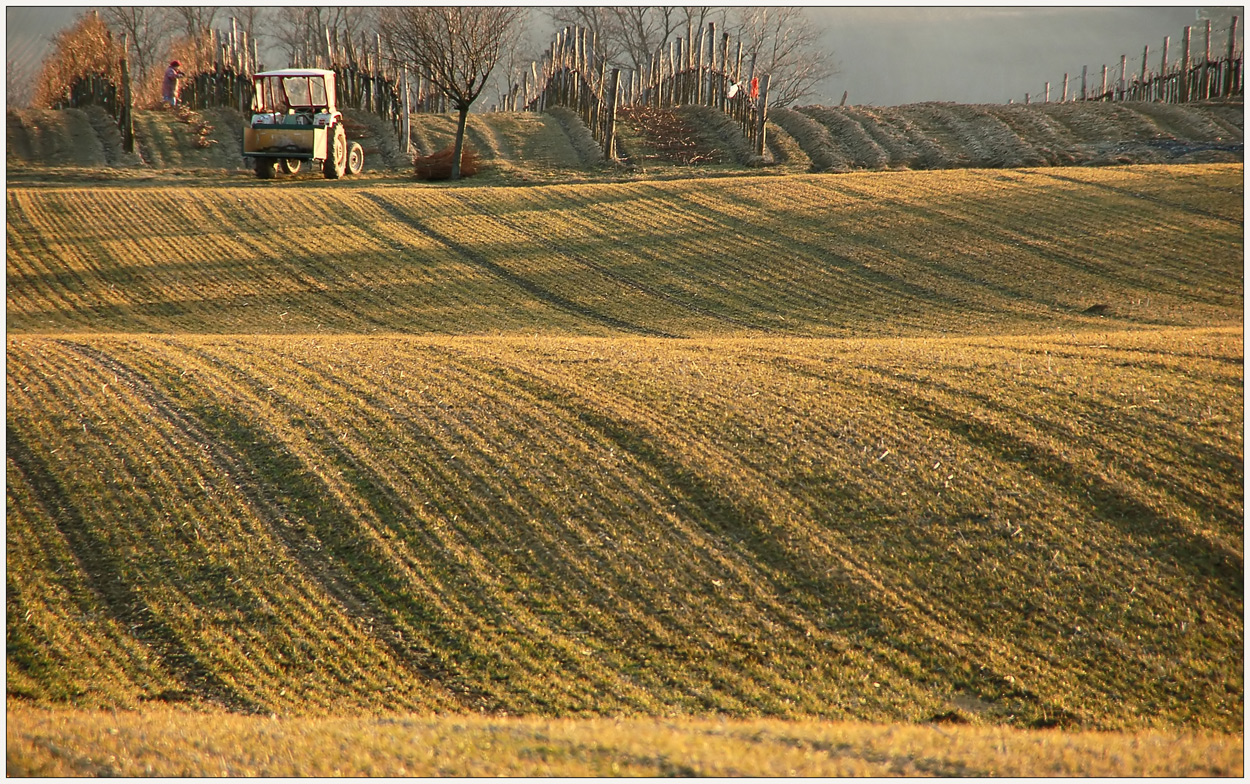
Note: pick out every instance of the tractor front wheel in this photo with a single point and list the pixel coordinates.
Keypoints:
(266, 168)
(291, 165)
(336, 161)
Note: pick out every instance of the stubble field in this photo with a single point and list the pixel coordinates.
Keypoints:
(946, 447)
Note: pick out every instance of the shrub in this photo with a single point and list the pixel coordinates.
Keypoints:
(86, 47)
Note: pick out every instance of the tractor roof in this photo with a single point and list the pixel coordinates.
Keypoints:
(297, 72)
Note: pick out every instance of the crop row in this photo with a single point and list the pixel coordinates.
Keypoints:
(852, 529)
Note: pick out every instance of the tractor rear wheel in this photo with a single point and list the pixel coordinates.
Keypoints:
(355, 158)
(336, 161)
(266, 168)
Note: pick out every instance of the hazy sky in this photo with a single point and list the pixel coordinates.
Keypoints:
(897, 55)
(892, 56)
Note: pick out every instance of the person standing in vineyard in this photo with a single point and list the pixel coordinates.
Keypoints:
(169, 88)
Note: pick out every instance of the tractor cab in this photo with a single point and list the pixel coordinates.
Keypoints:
(294, 96)
(294, 119)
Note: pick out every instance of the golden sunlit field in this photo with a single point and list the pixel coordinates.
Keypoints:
(866, 474)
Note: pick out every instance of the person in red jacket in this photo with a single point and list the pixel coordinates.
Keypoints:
(169, 88)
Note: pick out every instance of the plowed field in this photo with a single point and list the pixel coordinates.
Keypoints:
(898, 447)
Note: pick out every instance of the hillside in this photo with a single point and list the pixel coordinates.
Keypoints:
(920, 446)
(556, 147)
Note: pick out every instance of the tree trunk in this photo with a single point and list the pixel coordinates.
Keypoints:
(455, 157)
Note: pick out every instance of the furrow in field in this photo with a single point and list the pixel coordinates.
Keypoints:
(573, 225)
(895, 253)
(484, 259)
(1006, 520)
(740, 526)
(827, 273)
(177, 524)
(336, 444)
(590, 411)
(1116, 507)
(964, 260)
(1084, 254)
(473, 445)
(305, 532)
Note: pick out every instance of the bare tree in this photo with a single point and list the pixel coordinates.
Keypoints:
(783, 43)
(301, 30)
(645, 31)
(147, 30)
(454, 47)
(195, 19)
(18, 84)
(603, 22)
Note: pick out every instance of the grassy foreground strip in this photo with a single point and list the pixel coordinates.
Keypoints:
(176, 743)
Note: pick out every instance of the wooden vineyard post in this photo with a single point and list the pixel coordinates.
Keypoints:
(1230, 79)
(1123, 85)
(1046, 95)
(1141, 89)
(1084, 88)
(1102, 95)
(127, 120)
(761, 115)
(1204, 88)
(1184, 94)
(1163, 71)
(609, 135)
(406, 124)
(1065, 89)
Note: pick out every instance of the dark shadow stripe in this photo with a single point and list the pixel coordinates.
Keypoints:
(536, 291)
(103, 573)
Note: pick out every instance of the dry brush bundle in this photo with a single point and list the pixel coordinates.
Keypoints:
(437, 166)
(85, 48)
(670, 134)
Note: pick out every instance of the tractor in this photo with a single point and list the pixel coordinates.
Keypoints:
(294, 119)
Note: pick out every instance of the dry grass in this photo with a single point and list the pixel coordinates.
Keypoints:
(173, 743)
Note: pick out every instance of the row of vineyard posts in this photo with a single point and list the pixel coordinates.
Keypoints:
(1182, 80)
(700, 69)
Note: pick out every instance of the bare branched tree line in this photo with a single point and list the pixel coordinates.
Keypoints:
(780, 41)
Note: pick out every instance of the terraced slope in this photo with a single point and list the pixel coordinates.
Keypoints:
(944, 135)
(894, 447)
(868, 255)
(557, 147)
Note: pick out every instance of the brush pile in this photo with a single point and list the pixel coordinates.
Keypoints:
(437, 166)
(201, 129)
(668, 135)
